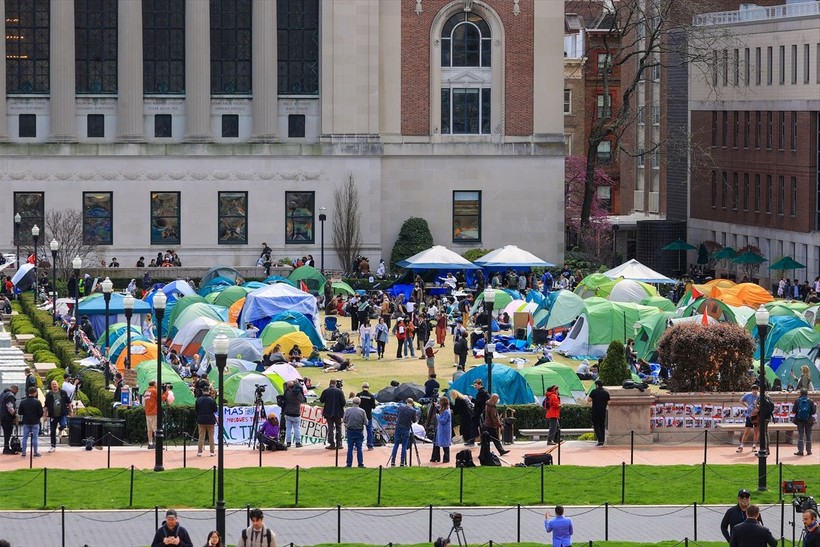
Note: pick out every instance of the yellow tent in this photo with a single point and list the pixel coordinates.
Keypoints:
(291, 339)
(141, 351)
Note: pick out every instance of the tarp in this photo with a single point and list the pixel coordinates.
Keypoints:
(275, 330)
(178, 289)
(437, 257)
(240, 388)
(602, 322)
(561, 308)
(147, 371)
(291, 339)
(262, 304)
(513, 257)
(235, 311)
(312, 277)
(230, 295)
(220, 271)
(632, 269)
(541, 377)
(511, 387)
(796, 341)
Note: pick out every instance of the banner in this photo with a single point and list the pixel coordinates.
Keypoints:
(313, 426)
(239, 423)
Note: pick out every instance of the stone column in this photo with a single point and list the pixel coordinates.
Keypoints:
(197, 71)
(130, 126)
(265, 76)
(629, 410)
(61, 72)
(390, 74)
(3, 123)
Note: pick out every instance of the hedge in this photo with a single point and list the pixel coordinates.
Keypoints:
(37, 343)
(178, 420)
(61, 347)
(94, 387)
(54, 374)
(46, 356)
(88, 411)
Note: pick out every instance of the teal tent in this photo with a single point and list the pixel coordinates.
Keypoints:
(511, 387)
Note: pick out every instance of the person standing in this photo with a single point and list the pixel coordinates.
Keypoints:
(751, 532)
(410, 330)
(804, 410)
(206, 410)
(401, 333)
(405, 419)
(751, 400)
(441, 329)
(368, 403)
(171, 532)
(57, 409)
(493, 423)
(257, 534)
(811, 529)
(599, 397)
(31, 381)
(365, 337)
(560, 527)
(334, 400)
(479, 402)
(294, 399)
(149, 400)
(31, 412)
(8, 415)
(382, 333)
(735, 514)
(444, 432)
(430, 356)
(553, 414)
(355, 420)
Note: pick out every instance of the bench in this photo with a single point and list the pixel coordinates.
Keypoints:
(788, 427)
(536, 434)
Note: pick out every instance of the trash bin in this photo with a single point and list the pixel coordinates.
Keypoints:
(76, 430)
(113, 432)
(93, 428)
(508, 433)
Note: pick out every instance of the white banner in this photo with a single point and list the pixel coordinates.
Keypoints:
(239, 423)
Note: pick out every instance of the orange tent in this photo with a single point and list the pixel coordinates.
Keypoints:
(141, 351)
(744, 294)
(234, 311)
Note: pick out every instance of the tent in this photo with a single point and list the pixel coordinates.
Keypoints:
(649, 333)
(116, 330)
(220, 271)
(262, 304)
(636, 271)
(626, 290)
(240, 388)
(147, 371)
(589, 285)
(248, 349)
(796, 341)
(502, 298)
(23, 278)
(437, 257)
(712, 307)
(340, 287)
(275, 330)
(231, 368)
(511, 256)
(179, 307)
(291, 339)
(191, 334)
(229, 295)
(312, 277)
(560, 308)
(235, 310)
(271, 279)
(287, 371)
(253, 285)
(94, 307)
(216, 284)
(778, 327)
(210, 298)
(193, 311)
(541, 377)
(177, 289)
(790, 367)
(300, 320)
(141, 351)
(599, 324)
(510, 385)
(119, 344)
(660, 302)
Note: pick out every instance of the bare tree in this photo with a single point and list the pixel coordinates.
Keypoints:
(66, 227)
(347, 237)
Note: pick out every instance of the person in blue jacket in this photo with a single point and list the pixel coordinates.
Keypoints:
(560, 527)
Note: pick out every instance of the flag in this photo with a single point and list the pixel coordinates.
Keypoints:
(303, 286)
(705, 319)
(529, 330)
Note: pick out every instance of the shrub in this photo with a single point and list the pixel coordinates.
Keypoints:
(16, 306)
(46, 356)
(613, 369)
(37, 343)
(178, 420)
(94, 388)
(532, 416)
(474, 254)
(55, 374)
(88, 411)
(414, 237)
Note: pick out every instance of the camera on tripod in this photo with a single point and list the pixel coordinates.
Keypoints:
(456, 518)
(260, 389)
(804, 503)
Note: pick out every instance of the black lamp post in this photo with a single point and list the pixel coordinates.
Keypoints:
(221, 352)
(128, 305)
(159, 310)
(615, 229)
(77, 263)
(107, 287)
(35, 234)
(762, 320)
(17, 220)
(322, 219)
(55, 246)
(489, 347)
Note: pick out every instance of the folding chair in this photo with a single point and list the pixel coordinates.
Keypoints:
(331, 329)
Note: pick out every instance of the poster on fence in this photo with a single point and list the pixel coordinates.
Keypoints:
(239, 423)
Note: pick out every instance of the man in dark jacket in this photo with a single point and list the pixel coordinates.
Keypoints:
(294, 399)
(479, 402)
(811, 529)
(171, 532)
(368, 403)
(405, 418)
(58, 409)
(206, 409)
(736, 514)
(31, 411)
(751, 532)
(8, 415)
(334, 400)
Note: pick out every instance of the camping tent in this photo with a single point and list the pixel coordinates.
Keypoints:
(437, 257)
(796, 341)
(141, 351)
(147, 371)
(511, 387)
(599, 324)
(271, 279)
(300, 320)
(275, 330)
(291, 339)
(502, 298)
(660, 302)
(789, 368)
(178, 307)
(220, 271)
(340, 287)
(249, 349)
(541, 377)
(649, 333)
(262, 304)
(287, 371)
(778, 327)
(589, 285)
(559, 308)
(632, 269)
(240, 388)
(229, 295)
(217, 313)
(177, 289)
(511, 256)
(626, 290)
(191, 334)
(312, 277)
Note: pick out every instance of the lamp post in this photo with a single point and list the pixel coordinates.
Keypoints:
(489, 347)
(322, 219)
(615, 228)
(17, 220)
(107, 287)
(159, 310)
(35, 234)
(128, 305)
(77, 263)
(762, 320)
(221, 352)
(55, 246)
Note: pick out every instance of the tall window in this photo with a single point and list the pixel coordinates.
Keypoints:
(781, 134)
(165, 218)
(31, 207)
(605, 152)
(230, 47)
(233, 218)
(299, 217)
(746, 129)
(466, 43)
(782, 64)
(604, 62)
(768, 194)
(757, 194)
(714, 189)
(757, 129)
(98, 218)
(567, 101)
(769, 66)
(95, 27)
(735, 129)
(794, 131)
(725, 133)
(769, 129)
(735, 191)
(794, 196)
(781, 201)
(466, 216)
(724, 190)
(604, 106)
(745, 191)
(794, 64)
(163, 46)
(27, 46)
(298, 39)
(758, 66)
(714, 127)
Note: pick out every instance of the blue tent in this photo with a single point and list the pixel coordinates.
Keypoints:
(253, 285)
(778, 326)
(215, 285)
(262, 304)
(220, 271)
(271, 279)
(304, 324)
(94, 307)
(178, 287)
(511, 387)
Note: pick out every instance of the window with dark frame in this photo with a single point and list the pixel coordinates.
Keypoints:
(95, 29)
(735, 191)
(724, 138)
(165, 218)
(781, 135)
(162, 126)
(95, 126)
(296, 126)
(466, 215)
(98, 218)
(300, 209)
(163, 46)
(232, 211)
(724, 190)
(735, 129)
(27, 126)
(725, 67)
(758, 66)
(231, 46)
(757, 193)
(297, 24)
(769, 66)
(714, 189)
(567, 101)
(806, 63)
(230, 126)
(604, 106)
(794, 196)
(794, 131)
(782, 64)
(746, 192)
(714, 128)
(769, 194)
(769, 129)
(747, 69)
(758, 128)
(27, 46)
(794, 64)
(747, 128)
(781, 201)
(31, 207)
(604, 152)
(736, 66)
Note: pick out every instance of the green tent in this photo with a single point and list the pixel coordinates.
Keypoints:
(180, 306)
(240, 388)
(557, 309)
(312, 277)
(147, 371)
(717, 309)
(230, 295)
(211, 311)
(210, 298)
(274, 330)
(340, 287)
(590, 284)
(660, 302)
(541, 377)
(779, 308)
(502, 298)
(649, 333)
(800, 340)
(115, 331)
(626, 290)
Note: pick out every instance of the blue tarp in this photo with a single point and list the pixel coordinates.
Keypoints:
(262, 304)
(304, 324)
(178, 286)
(511, 387)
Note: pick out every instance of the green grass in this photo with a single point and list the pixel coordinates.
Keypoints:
(595, 544)
(276, 487)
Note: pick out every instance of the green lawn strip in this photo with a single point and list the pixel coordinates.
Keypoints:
(546, 537)
(401, 487)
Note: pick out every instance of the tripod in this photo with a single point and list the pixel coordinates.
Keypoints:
(459, 530)
(412, 446)
(259, 414)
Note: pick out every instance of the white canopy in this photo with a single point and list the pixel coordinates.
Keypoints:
(636, 271)
(511, 256)
(437, 257)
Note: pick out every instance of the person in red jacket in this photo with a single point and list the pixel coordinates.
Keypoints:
(553, 406)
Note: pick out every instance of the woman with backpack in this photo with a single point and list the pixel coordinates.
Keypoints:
(804, 410)
(552, 404)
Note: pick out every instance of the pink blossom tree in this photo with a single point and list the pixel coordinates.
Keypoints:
(596, 235)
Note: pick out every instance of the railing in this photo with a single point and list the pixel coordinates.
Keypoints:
(758, 13)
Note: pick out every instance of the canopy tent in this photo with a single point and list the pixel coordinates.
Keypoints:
(94, 307)
(660, 302)
(589, 285)
(275, 330)
(510, 385)
(340, 287)
(560, 308)
(178, 289)
(220, 271)
(141, 351)
(147, 371)
(636, 271)
(229, 295)
(291, 339)
(312, 277)
(778, 327)
(248, 349)
(437, 257)
(649, 334)
(541, 377)
(240, 388)
(23, 278)
(262, 304)
(599, 324)
(271, 279)
(193, 311)
(511, 256)
(300, 320)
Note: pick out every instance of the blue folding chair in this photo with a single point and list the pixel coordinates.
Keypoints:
(330, 327)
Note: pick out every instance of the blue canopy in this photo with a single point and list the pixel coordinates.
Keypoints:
(304, 324)
(262, 304)
(94, 307)
(511, 387)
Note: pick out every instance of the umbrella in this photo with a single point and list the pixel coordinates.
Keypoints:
(678, 245)
(408, 390)
(749, 258)
(725, 253)
(386, 395)
(787, 263)
(24, 277)
(340, 287)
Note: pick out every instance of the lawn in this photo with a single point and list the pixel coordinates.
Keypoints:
(276, 487)
(597, 544)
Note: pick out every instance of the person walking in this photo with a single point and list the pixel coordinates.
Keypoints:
(206, 410)
(735, 514)
(492, 423)
(811, 529)
(804, 410)
(257, 534)
(751, 532)
(751, 401)
(405, 418)
(367, 403)
(401, 334)
(57, 409)
(171, 532)
(382, 333)
(599, 397)
(334, 400)
(444, 431)
(31, 412)
(294, 399)
(560, 527)
(149, 400)
(355, 420)
(552, 404)
(441, 329)
(8, 415)
(410, 330)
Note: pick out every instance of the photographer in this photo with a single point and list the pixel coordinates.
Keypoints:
(294, 399)
(70, 385)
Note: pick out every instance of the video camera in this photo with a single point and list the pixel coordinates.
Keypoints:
(456, 518)
(339, 384)
(804, 503)
(260, 388)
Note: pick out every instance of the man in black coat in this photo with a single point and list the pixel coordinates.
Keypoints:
(735, 514)
(751, 532)
(334, 400)
(368, 403)
(479, 402)
(206, 410)
(31, 411)
(811, 530)
(599, 397)
(58, 409)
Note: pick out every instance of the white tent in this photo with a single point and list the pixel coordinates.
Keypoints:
(437, 257)
(638, 272)
(511, 256)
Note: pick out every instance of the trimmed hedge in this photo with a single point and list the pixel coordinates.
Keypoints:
(88, 411)
(37, 343)
(54, 374)
(61, 347)
(46, 356)
(94, 387)
(178, 420)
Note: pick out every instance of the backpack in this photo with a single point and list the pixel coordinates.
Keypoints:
(464, 458)
(803, 409)
(546, 402)
(268, 535)
(14, 444)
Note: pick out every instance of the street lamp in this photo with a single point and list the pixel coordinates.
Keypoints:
(77, 263)
(17, 220)
(762, 320)
(159, 310)
(489, 347)
(55, 246)
(322, 219)
(221, 351)
(107, 287)
(128, 305)
(35, 233)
